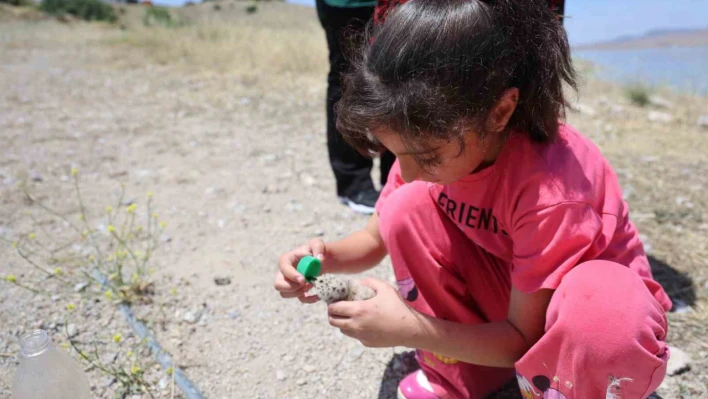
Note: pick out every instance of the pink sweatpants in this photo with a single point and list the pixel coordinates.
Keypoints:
(605, 331)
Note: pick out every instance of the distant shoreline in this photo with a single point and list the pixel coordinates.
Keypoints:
(693, 38)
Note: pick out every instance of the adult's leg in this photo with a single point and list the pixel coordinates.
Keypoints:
(352, 170)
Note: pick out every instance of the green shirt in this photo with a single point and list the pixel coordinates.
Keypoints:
(350, 3)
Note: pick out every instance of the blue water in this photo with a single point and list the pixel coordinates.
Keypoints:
(682, 68)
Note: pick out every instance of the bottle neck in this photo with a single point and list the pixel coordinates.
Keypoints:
(34, 343)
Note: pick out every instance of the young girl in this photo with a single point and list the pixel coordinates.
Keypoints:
(507, 231)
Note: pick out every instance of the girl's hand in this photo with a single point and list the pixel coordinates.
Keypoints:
(288, 281)
(383, 321)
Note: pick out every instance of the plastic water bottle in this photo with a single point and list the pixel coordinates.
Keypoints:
(46, 373)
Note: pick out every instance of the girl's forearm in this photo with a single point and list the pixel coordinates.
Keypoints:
(357, 252)
(496, 344)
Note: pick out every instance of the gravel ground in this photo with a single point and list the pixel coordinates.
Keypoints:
(239, 171)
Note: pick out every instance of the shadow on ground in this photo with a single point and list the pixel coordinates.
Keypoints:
(678, 285)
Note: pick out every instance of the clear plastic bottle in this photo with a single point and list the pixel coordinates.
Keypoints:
(46, 373)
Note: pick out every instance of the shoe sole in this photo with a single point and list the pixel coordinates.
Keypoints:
(358, 208)
(400, 395)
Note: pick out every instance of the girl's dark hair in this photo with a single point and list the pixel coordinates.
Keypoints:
(437, 67)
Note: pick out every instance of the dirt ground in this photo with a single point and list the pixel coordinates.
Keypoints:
(236, 158)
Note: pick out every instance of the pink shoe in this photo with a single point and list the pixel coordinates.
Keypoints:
(416, 386)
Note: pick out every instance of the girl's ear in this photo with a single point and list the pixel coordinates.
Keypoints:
(501, 112)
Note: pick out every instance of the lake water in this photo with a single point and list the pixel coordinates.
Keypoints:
(682, 68)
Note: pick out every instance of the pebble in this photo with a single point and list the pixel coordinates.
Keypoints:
(191, 317)
(165, 238)
(681, 307)
(584, 109)
(301, 381)
(319, 233)
(164, 382)
(81, 286)
(703, 121)
(660, 102)
(109, 358)
(280, 375)
(234, 314)
(222, 280)
(679, 362)
(662, 117)
(35, 176)
(355, 352)
(72, 330)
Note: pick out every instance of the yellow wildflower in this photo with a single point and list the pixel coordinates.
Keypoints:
(135, 369)
(170, 370)
(110, 258)
(81, 218)
(163, 224)
(65, 345)
(139, 229)
(108, 294)
(117, 338)
(150, 194)
(135, 278)
(14, 244)
(129, 353)
(173, 291)
(109, 209)
(57, 270)
(70, 307)
(32, 236)
(74, 171)
(11, 278)
(137, 254)
(92, 258)
(131, 208)
(154, 215)
(111, 228)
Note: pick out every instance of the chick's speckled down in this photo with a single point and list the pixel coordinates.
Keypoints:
(331, 289)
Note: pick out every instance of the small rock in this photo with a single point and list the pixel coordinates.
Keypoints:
(616, 109)
(222, 280)
(35, 176)
(679, 362)
(307, 180)
(319, 233)
(681, 307)
(583, 109)
(165, 238)
(202, 322)
(191, 317)
(660, 102)
(221, 223)
(56, 298)
(109, 381)
(128, 202)
(661, 117)
(703, 121)
(309, 368)
(269, 157)
(355, 352)
(72, 330)
(81, 286)
(234, 314)
(109, 358)
(301, 381)
(293, 206)
(164, 382)
(280, 375)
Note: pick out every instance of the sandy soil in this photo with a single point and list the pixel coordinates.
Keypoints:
(237, 161)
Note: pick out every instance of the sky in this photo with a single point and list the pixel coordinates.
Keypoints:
(590, 21)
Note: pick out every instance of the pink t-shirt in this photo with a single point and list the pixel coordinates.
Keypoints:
(544, 209)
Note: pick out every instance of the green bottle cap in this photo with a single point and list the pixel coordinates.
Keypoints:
(310, 267)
